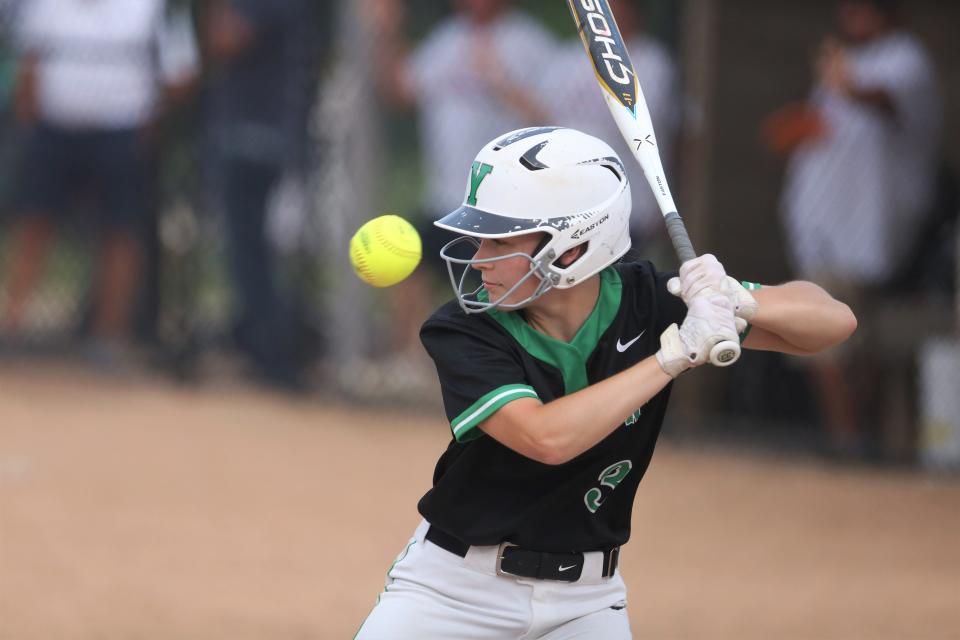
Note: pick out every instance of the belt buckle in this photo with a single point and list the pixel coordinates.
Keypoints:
(500, 551)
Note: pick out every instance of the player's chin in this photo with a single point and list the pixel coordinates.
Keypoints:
(514, 301)
(495, 294)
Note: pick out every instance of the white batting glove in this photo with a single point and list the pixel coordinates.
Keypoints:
(706, 276)
(745, 306)
(703, 273)
(709, 320)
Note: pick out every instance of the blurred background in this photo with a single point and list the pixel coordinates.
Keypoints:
(179, 181)
(178, 188)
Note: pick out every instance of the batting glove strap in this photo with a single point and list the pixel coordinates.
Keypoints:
(673, 356)
(744, 304)
(744, 328)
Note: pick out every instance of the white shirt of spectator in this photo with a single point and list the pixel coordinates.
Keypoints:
(458, 112)
(853, 200)
(102, 63)
(576, 102)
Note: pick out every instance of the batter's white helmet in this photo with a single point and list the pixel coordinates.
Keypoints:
(559, 181)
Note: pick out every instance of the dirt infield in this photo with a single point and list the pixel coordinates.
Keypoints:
(142, 511)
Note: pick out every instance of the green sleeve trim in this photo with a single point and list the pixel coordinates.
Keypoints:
(464, 425)
(745, 333)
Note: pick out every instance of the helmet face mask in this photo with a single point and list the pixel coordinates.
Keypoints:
(564, 183)
(475, 301)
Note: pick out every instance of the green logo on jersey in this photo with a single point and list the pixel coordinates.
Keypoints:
(610, 477)
(478, 172)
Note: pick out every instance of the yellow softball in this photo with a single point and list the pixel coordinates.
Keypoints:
(385, 250)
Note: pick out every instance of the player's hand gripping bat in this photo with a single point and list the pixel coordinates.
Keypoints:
(624, 98)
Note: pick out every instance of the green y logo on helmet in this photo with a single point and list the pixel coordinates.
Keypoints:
(478, 172)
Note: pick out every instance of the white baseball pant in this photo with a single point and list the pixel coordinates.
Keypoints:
(432, 594)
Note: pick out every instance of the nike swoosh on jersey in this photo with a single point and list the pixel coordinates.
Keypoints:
(562, 568)
(621, 347)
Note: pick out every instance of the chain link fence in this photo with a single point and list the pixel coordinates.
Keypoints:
(260, 160)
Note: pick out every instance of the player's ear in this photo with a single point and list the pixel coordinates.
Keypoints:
(570, 256)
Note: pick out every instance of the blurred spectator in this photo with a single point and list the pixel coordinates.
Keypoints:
(92, 76)
(575, 101)
(860, 181)
(474, 76)
(9, 10)
(254, 47)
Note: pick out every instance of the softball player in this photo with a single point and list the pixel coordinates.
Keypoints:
(555, 372)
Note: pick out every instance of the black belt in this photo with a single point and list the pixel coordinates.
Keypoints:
(542, 565)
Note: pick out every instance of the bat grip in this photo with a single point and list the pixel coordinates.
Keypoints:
(723, 354)
(679, 237)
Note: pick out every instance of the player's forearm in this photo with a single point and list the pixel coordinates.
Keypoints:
(568, 426)
(804, 315)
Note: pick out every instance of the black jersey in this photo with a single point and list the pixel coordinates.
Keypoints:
(484, 492)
